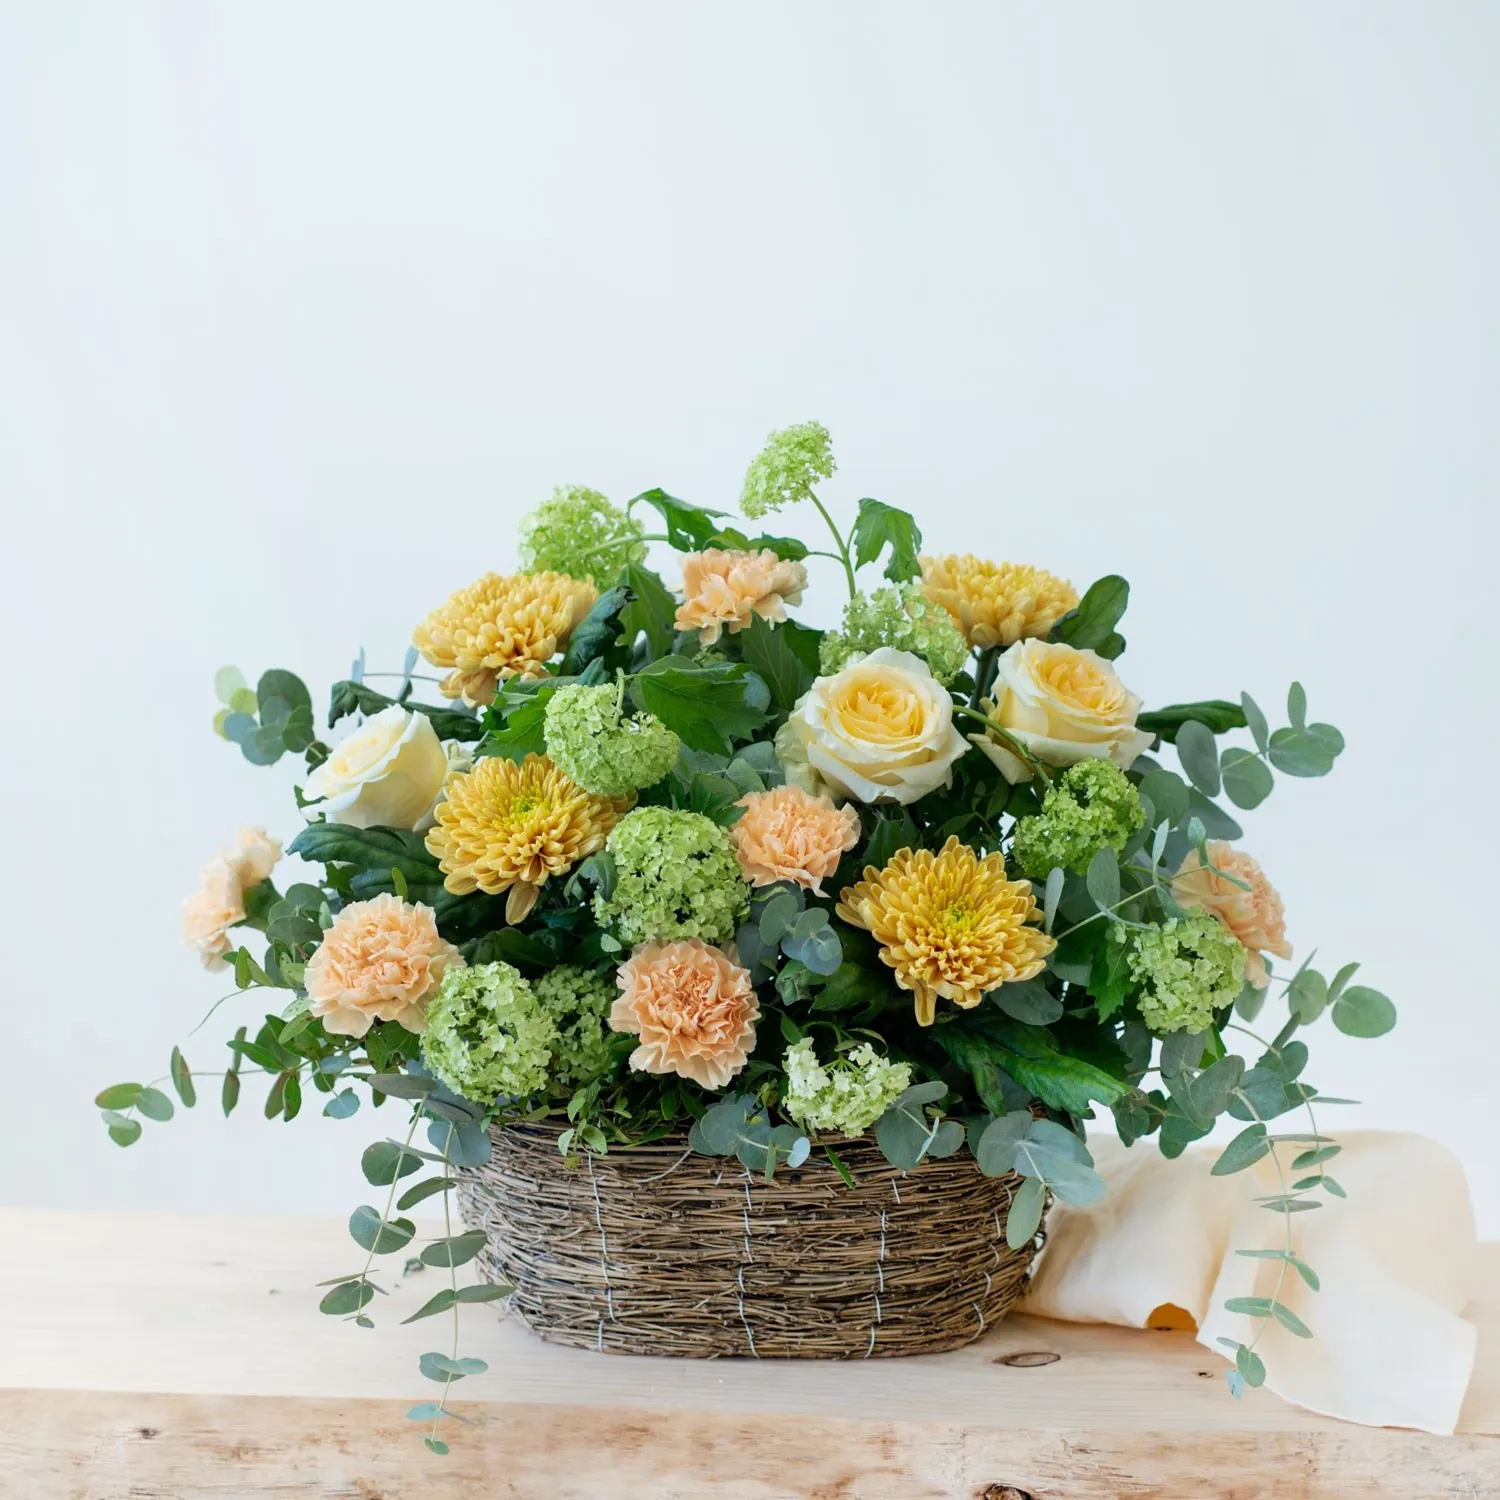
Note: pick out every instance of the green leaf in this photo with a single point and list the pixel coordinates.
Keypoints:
(182, 1079)
(1341, 979)
(1168, 794)
(154, 1104)
(379, 1236)
(879, 525)
(403, 1085)
(433, 1306)
(385, 1161)
(1057, 1078)
(1243, 1151)
(285, 686)
(1027, 1000)
(484, 1293)
(354, 697)
(1214, 714)
(1363, 1012)
(1024, 1216)
(342, 1105)
(122, 1131)
(995, 1150)
(811, 940)
(1315, 1157)
(652, 611)
(1247, 782)
(118, 1096)
(1251, 1307)
(1251, 1366)
(1296, 705)
(424, 1190)
(347, 1297)
(904, 1132)
(1260, 731)
(1307, 995)
(442, 1369)
(1091, 626)
(1199, 754)
(689, 527)
(1103, 879)
(1290, 1321)
(456, 1251)
(596, 632)
(851, 986)
(785, 656)
(227, 682)
(1304, 1270)
(436, 1445)
(707, 707)
(1299, 752)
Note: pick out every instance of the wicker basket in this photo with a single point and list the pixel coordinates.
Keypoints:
(657, 1250)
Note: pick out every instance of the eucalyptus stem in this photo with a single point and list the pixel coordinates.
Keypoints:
(841, 544)
(453, 1285)
(390, 1198)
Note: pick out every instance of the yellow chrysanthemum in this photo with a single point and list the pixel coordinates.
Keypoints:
(949, 924)
(509, 827)
(502, 627)
(996, 604)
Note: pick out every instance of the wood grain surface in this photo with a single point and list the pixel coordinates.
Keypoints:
(146, 1356)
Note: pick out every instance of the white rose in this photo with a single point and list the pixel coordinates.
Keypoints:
(879, 731)
(387, 773)
(1062, 705)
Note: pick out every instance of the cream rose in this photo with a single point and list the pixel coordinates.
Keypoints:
(879, 731)
(1062, 705)
(387, 773)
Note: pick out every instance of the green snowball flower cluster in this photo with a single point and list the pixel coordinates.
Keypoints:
(676, 876)
(580, 533)
(1187, 968)
(1091, 806)
(487, 1036)
(578, 1002)
(902, 617)
(785, 470)
(605, 754)
(846, 1095)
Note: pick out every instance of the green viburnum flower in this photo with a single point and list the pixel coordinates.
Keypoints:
(1186, 969)
(846, 1095)
(785, 470)
(1091, 806)
(902, 617)
(605, 754)
(578, 1002)
(676, 876)
(487, 1036)
(580, 533)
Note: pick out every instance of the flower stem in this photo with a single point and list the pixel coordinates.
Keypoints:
(984, 674)
(841, 544)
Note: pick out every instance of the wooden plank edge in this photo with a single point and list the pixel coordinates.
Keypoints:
(67, 1445)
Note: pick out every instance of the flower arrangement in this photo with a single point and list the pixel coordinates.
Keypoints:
(657, 863)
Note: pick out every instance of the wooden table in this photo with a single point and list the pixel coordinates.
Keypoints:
(174, 1356)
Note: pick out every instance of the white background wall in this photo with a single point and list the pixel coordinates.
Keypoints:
(301, 305)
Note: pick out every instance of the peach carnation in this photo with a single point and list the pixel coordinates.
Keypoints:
(788, 834)
(219, 903)
(693, 1008)
(1255, 916)
(502, 627)
(382, 960)
(725, 589)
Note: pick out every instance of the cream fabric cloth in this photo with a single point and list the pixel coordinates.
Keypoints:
(1397, 1259)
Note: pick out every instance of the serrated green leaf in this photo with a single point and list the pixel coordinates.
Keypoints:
(879, 525)
(1091, 625)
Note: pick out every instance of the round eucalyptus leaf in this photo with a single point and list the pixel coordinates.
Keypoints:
(1247, 780)
(1198, 751)
(1361, 1011)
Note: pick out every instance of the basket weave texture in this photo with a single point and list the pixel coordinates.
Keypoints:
(658, 1250)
